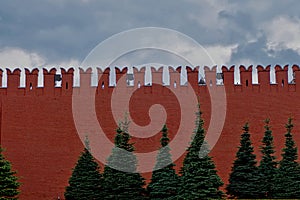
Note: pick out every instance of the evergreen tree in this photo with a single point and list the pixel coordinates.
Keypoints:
(267, 168)
(165, 181)
(287, 183)
(124, 183)
(199, 178)
(9, 185)
(85, 182)
(244, 177)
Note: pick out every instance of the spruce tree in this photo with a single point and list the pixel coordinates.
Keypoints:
(85, 182)
(199, 179)
(267, 168)
(287, 183)
(124, 183)
(164, 182)
(244, 177)
(9, 185)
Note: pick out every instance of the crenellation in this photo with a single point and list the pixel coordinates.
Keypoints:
(210, 76)
(85, 81)
(228, 77)
(119, 70)
(190, 69)
(246, 77)
(120, 73)
(31, 80)
(138, 78)
(13, 80)
(67, 81)
(264, 80)
(193, 76)
(174, 76)
(157, 74)
(85, 77)
(49, 83)
(158, 78)
(103, 79)
(281, 74)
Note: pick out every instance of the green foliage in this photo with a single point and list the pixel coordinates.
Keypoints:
(85, 182)
(9, 185)
(244, 177)
(199, 178)
(268, 166)
(164, 182)
(287, 183)
(124, 183)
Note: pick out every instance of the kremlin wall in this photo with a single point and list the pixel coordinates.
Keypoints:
(41, 140)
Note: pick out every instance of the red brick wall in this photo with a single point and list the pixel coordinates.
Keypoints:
(39, 134)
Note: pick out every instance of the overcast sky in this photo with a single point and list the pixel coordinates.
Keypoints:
(63, 32)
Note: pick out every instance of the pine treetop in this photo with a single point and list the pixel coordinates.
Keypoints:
(87, 143)
(123, 129)
(120, 177)
(268, 164)
(245, 150)
(199, 178)
(164, 140)
(199, 133)
(244, 177)
(118, 137)
(164, 182)
(287, 184)
(268, 138)
(85, 182)
(290, 151)
(267, 148)
(163, 158)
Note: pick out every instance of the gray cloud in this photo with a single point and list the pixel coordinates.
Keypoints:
(61, 30)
